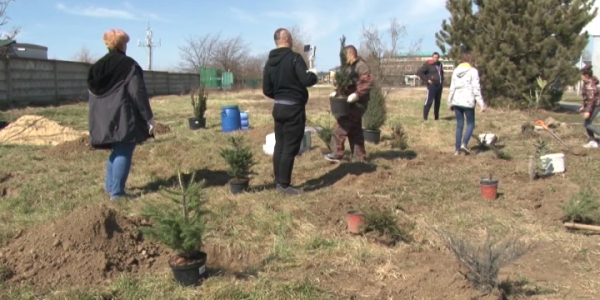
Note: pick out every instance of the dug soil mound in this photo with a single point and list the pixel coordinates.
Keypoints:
(82, 144)
(87, 247)
(160, 128)
(79, 145)
(37, 130)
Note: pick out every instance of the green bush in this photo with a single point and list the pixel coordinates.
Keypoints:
(199, 99)
(179, 225)
(399, 138)
(342, 76)
(582, 208)
(239, 157)
(386, 223)
(376, 113)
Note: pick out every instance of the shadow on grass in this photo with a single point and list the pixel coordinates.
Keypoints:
(515, 288)
(213, 178)
(337, 174)
(394, 154)
(262, 187)
(216, 271)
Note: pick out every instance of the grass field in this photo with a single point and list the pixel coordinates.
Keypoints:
(263, 246)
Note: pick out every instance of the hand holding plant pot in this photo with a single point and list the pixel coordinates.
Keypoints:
(180, 225)
(340, 104)
(199, 99)
(240, 160)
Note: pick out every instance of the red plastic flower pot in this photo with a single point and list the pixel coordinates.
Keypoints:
(489, 188)
(355, 220)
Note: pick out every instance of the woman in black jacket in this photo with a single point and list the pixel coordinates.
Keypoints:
(120, 116)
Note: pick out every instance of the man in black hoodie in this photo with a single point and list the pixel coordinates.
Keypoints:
(285, 80)
(432, 72)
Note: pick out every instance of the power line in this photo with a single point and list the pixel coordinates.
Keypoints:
(148, 43)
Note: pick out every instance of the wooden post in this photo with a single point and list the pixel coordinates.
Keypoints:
(572, 225)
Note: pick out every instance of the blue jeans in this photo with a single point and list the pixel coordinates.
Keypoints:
(589, 125)
(117, 169)
(461, 113)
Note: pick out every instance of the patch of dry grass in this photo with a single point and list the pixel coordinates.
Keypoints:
(298, 248)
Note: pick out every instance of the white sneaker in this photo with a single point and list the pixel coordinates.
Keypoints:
(591, 144)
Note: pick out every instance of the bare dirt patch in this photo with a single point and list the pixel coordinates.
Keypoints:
(37, 130)
(87, 247)
(82, 144)
(161, 128)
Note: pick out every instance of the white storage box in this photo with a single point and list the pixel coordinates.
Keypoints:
(269, 146)
(553, 163)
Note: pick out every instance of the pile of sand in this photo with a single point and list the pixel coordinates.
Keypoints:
(37, 130)
(87, 247)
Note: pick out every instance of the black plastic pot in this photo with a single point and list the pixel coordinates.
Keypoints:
(196, 124)
(238, 186)
(339, 106)
(191, 274)
(372, 136)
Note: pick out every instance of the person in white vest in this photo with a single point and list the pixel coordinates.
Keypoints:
(465, 93)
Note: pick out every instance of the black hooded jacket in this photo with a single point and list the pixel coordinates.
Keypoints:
(119, 107)
(285, 76)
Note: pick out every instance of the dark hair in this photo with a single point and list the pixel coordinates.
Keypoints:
(435, 53)
(351, 47)
(466, 57)
(587, 71)
(278, 32)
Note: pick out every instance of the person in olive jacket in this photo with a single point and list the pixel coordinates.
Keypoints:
(120, 116)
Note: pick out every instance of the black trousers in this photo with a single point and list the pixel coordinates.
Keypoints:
(434, 96)
(290, 121)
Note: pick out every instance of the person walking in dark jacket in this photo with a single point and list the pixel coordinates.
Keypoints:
(285, 80)
(120, 116)
(432, 72)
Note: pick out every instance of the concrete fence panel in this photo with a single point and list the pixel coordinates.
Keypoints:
(51, 82)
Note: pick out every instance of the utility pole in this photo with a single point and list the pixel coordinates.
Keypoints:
(148, 43)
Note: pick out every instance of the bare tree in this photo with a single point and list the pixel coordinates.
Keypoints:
(198, 52)
(300, 38)
(5, 50)
(84, 55)
(253, 66)
(230, 54)
(380, 51)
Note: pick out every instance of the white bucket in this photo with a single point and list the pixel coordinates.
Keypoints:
(553, 163)
(488, 138)
(269, 146)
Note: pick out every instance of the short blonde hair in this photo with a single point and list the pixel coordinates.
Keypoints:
(115, 39)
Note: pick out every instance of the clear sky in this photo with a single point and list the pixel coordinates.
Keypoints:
(64, 26)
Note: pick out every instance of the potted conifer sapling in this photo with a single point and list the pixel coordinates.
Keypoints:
(180, 225)
(240, 159)
(375, 115)
(339, 99)
(199, 99)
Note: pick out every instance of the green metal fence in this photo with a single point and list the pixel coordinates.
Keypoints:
(213, 78)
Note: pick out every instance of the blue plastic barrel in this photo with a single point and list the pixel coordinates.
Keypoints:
(245, 122)
(230, 118)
